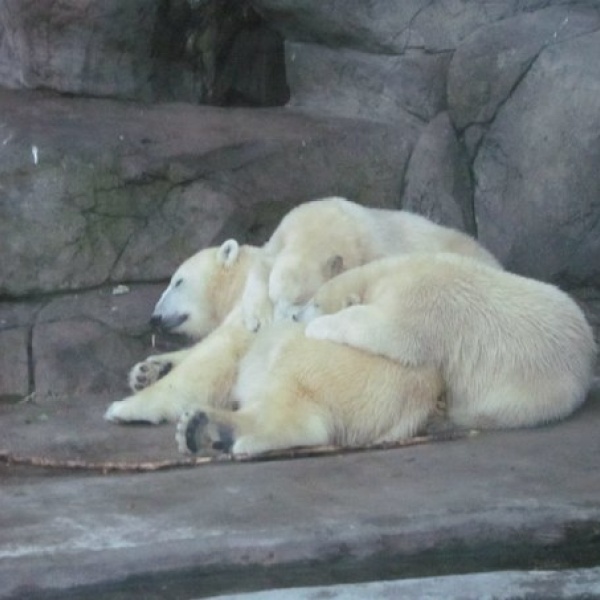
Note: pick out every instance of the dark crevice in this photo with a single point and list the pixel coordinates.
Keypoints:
(30, 362)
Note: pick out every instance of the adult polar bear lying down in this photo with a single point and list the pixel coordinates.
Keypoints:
(203, 298)
(512, 351)
(323, 392)
(317, 240)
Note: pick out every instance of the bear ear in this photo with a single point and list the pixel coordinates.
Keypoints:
(352, 299)
(228, 252)
(334, 265)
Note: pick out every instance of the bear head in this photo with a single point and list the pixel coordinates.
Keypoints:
(292, 282)
(203, 290)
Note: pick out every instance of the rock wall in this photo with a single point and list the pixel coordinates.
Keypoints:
(484, 116)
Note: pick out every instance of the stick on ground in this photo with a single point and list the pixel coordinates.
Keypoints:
(9, 458)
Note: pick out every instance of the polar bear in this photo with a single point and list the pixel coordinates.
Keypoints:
(290, 390)
(296, 391)
(513, 351)
(317, 240)
(201, 301)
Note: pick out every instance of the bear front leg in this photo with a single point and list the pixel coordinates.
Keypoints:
(367, 328)
(149, 371)
(204, 377)
(257, 308)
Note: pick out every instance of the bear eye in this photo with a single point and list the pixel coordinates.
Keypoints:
(178, 282)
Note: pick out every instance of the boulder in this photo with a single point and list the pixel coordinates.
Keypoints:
(389, 26)
(111, 192)
(437, 182)
(537, 192)
(75, 345)
(386, 88)
(487, 67)
(215, 51)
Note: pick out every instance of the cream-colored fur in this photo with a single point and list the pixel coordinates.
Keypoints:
(513, 351)
(202, 301)
(291, 390)
(317, 240)
(295, 391)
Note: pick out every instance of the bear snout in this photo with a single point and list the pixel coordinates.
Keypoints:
(167, 323)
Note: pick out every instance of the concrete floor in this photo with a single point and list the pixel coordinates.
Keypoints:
(524, 500)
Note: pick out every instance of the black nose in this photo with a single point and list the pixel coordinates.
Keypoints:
(156, 322)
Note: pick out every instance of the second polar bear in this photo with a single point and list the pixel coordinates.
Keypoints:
(319, 239)
(512, 351)
(296, 391)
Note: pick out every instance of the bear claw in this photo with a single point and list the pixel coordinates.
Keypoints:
(146, 373)
(195, 432)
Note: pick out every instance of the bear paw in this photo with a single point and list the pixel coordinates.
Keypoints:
(195, 432)
(256, 320)
(326, 328)
(130, 410)
(147, 372)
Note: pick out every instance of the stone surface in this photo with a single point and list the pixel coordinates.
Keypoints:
(388, 88)
(14, 364)
(438, 181)
(487, 67)
(496, 501)
(388, 26)
(208, 51)
(572, 584)
(112, 192)
(537, 193)
(74, 345)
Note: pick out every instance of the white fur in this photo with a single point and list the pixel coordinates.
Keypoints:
(292, 390)
(319, 239)
(513, 351)
(295, 391)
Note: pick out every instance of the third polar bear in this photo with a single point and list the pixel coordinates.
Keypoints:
(319, 239)
(512, 351)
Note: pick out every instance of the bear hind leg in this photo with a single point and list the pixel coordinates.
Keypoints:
(252, 431)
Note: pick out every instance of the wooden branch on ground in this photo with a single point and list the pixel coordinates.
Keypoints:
(9, 458)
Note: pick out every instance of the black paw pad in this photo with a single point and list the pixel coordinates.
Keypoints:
(164, 369)
(196, 422)
(225, 439)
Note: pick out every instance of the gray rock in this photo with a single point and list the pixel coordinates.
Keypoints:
(372, 86)
(110, 192)
(16, 327)
(537, 195)
(215, 51)
(389, 26)
(488, 65)
(438, 183)
(86, 343)
(14, 364)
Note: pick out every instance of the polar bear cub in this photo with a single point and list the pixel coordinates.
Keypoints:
(512, 351)
(201, 301)
(317, 240)
(296, 391)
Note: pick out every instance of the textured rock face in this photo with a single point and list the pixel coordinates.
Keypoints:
(537, 196)
(388, 26)
(215, 51)
(482, 116)
(95, 192)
